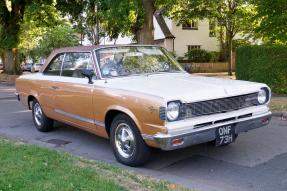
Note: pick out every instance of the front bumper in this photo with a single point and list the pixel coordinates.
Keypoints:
(168, 141)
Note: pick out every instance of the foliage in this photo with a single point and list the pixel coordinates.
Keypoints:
(85, 16)
(122, 17)
(11, 18)
(240, 42)
(12, 14)
(271, 20)
(198, 55)
(214, 56)
(59, 36)
(36, 22)
(113, 17)
(267, 64)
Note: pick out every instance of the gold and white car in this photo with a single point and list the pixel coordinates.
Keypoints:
(139, 97)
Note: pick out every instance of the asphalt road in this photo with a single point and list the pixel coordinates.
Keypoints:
(256, 161)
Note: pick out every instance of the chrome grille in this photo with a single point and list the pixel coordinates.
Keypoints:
(219, 105)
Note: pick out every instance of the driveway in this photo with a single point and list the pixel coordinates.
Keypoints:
(256, 161)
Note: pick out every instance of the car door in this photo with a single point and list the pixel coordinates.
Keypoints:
(73, 93)
(46, 84)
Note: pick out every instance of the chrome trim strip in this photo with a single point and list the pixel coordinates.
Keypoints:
(70, 115)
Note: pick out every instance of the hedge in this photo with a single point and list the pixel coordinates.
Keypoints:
(198, 55)
(266, 64)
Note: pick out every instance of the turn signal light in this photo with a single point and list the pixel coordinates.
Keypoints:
(177, 142)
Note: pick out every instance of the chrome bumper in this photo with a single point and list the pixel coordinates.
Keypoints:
(167, 141)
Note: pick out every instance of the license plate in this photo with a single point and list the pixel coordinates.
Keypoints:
(225, 135)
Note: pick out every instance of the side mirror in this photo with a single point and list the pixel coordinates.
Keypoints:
(89, 74)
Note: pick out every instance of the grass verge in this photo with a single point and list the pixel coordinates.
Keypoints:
(278, 104)
(30, 168)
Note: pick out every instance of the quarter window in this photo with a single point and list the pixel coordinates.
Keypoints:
(54, 68)
(74, 63)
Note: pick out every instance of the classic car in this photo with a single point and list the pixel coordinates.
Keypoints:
(139, 97)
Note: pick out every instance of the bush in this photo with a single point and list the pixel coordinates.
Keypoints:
(198, 55)
(239, 43)
(214, 56)
(266, 64)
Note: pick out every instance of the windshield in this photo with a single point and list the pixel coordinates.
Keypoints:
(134, 60)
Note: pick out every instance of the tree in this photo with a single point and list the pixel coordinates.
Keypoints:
(85, 15)
(37, 21)
(229, 14)
(122, 17)
(11, 17)
(271, 20)
(59, 36)
(115, 17)
(146, 33)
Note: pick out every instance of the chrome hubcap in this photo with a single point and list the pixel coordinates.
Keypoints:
(125, 141)
(38, 114)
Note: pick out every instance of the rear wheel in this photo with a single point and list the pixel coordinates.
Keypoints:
(128, 146)
(41, 121)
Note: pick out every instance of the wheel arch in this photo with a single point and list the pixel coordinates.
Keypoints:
(113, 111)
(29, 100)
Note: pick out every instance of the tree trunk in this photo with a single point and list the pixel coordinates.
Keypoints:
(98, 29)
(145, 35)
(223, 45)
(11, 61)
(8, 61)
(230, 54)
(2, 59)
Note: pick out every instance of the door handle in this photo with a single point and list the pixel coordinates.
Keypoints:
(54, 87)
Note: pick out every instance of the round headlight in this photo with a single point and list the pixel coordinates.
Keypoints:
(172, 111)
(262, 96)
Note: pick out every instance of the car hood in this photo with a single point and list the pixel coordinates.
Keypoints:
(184, 87)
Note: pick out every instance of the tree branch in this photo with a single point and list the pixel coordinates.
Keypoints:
(18, 8)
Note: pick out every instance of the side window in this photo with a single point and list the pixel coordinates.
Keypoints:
(54, 67)
(75, 62)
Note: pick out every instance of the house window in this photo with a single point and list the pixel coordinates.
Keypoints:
(192, 47)
(190, 25)
(212, 25)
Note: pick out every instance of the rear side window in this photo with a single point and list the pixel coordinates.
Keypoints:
(74, 63)
(54, 68)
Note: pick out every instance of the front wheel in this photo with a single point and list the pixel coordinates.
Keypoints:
(41, 121)
(128, 146)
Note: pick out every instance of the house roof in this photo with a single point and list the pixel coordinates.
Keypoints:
(162, 24)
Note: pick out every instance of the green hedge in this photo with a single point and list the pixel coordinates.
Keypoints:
(266, 64)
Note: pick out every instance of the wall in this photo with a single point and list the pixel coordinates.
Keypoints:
(183, 38)
(208, 67)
